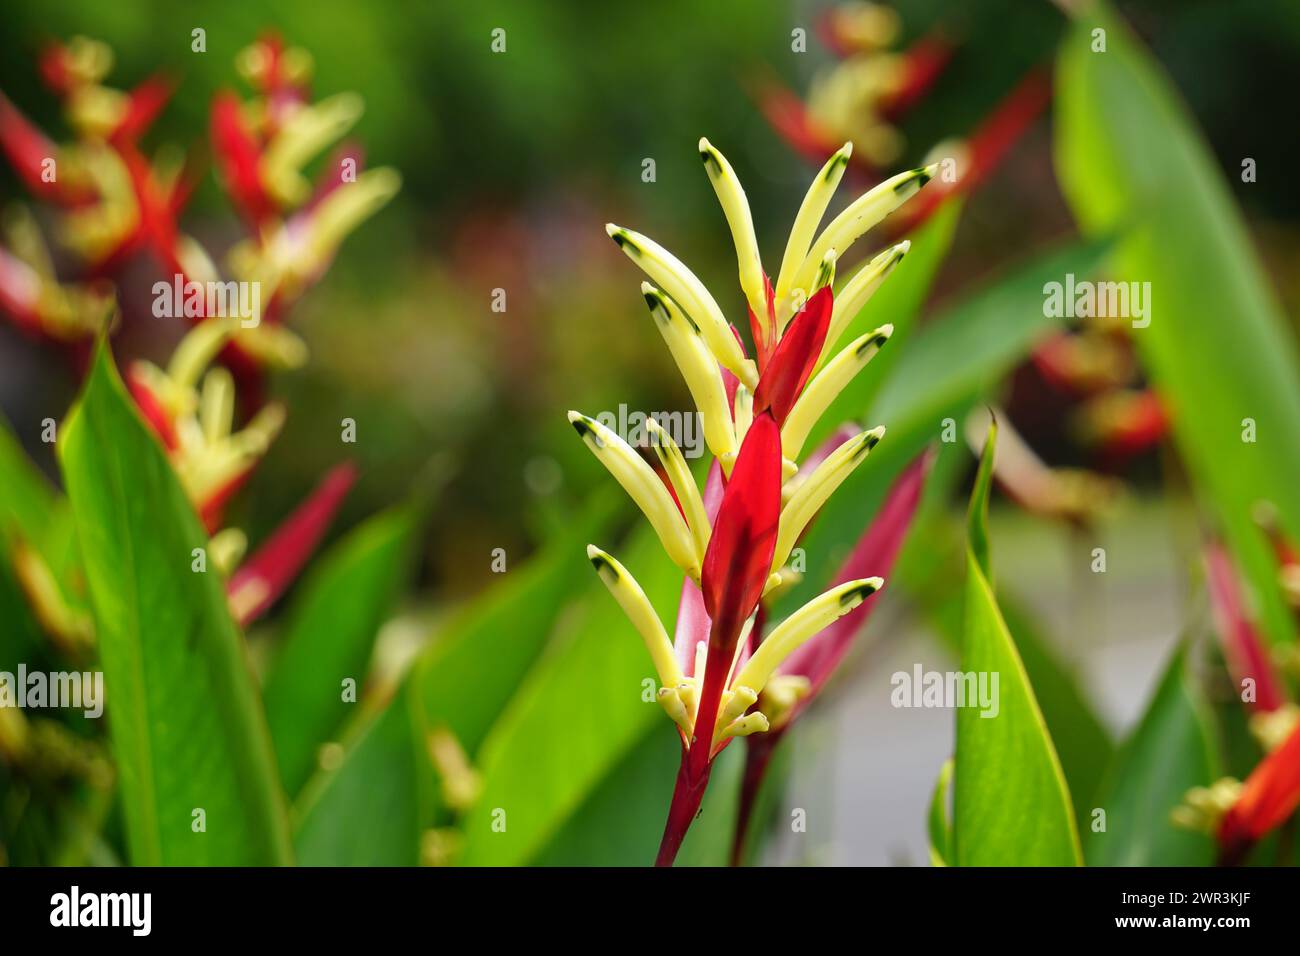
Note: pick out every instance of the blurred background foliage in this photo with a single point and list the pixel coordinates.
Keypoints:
(511, 165)
(513, 162)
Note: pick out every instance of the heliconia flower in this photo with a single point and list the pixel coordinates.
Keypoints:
(1243, 647)
(260, 580)
(732, 541)
(980, 153)
(40, 305)
(30, 153)
(1120, 422)
(237, 154)
(194, 421)
(1072, 495)
(1265, 800)
(1284, 549)
(1083, 362)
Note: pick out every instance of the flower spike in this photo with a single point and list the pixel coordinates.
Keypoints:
(733, 539)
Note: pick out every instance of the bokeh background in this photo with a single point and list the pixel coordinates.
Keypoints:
(511, 165)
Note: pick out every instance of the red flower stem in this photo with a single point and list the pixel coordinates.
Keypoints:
(688, 794)
(693, 775)
(758, 755)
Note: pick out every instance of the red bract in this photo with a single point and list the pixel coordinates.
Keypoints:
(1246, 654)
(1268, 797)
(764, 329)
(739, 556)
(237, 156)
(987, 146)
(29, 152)
(266, 575)
(794, 357)
(923, 63)
(151, 409)
(144, 104)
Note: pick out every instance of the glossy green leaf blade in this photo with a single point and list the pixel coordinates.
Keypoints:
(1217, 347)
(579, 713)
(1083, 744)
(1171, 750)
(367, 813)
(330, 636)
(1011, 806)
(939, 826)
(25, 505)
(187, 728)
(28, 498)
(462, 683)
(622, 819)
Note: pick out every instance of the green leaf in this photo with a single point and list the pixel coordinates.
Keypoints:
(621, 820)
(25, 506)
(28, 497)
(330, 636)
(944, 371)
(1011, 806)
(461, 684)
(367, 813)
(186, 726)
(1217, 349)
(581, 710)
(1171, 750)
(1082, 742)
(940, 826)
